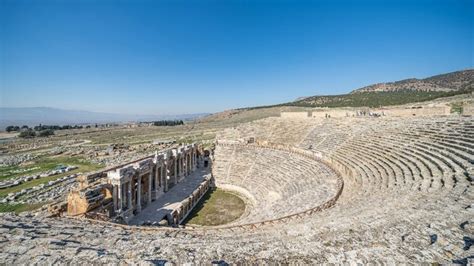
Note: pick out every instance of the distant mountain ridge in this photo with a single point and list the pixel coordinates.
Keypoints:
(393, 93)
(448, 82)
(30, 116)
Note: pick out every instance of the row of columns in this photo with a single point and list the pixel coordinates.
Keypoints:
(123, 195)
(159, 171)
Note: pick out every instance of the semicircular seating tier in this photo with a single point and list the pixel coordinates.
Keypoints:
(276, 183)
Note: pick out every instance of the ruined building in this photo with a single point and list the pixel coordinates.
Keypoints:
(119, 193)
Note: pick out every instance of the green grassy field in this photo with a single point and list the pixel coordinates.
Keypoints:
(17, 208)
(39, 165)
(215, 208)
(45, 164)
(7, 172)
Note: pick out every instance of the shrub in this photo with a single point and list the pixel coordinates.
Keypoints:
(45, 133)
(12, 128)
(27, 134)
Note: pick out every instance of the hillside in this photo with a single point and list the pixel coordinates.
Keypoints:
(397, 93)
(460, 84)
(449, 82)
(376, 99)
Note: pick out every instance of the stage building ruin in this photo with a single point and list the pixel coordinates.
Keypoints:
(122, 192)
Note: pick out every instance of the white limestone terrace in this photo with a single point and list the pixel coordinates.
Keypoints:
(163, 207)
(408, 198)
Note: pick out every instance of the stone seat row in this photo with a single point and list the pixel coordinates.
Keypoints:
(281, 183)
(414, 160)
(276, 129)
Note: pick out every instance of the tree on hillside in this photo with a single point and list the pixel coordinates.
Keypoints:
(12, 128)
(45, 133)
(29, 133)
(168, 123)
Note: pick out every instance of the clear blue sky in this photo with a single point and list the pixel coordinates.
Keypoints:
(169, 57)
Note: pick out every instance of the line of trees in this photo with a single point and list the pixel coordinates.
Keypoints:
(168, 123)
(41, 130)
(30, 133)
(16, 128)
(56, 127)
(44, 127)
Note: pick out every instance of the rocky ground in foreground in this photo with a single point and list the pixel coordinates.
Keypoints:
(29, 238)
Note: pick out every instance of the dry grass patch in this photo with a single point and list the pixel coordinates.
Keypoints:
(217, 207)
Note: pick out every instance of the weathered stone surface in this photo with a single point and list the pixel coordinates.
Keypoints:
(405, 181)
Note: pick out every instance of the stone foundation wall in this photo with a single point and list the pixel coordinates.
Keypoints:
(409, 112)
(468, 109)
(332, 113)
(397, 112)
(187, 205)
(297, 115)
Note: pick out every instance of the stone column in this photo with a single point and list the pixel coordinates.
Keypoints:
(165, 176)
(139, 194)
(120, 197)
(175, 171)
(115, 198)
(157, 182)
(185, 166)
(191, 162)
(129, 195)
(149, 186)
(188, 164)
(181, 164)
(196, 159)
(157, 177)
(178, 167)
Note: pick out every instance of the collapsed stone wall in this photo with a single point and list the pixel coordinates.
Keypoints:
(83, 201)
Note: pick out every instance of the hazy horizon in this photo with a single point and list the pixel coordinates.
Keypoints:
(32, 116)
(204, 57)
(92, 111)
